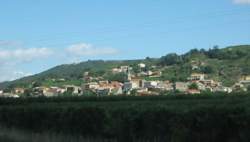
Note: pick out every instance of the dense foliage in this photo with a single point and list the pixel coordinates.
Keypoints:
(157, 118)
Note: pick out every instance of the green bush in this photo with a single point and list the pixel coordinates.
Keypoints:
(207, 118)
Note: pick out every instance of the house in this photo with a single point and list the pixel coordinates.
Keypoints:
(61, 90)
(18, 90)
(141, 65)
(201, 86)
(39, 91)
(108, 88)
(115, 84)
(1, 92)
(223, 89)
(73, 89)
(9, 95)
(103, 91)
(136, 82)
(50, 92)
(111, 85)
(181, 86)
(197, 77)
(88, 78)
(61, 80)
(149, 73)
(239, 86)
(165, 85)
(103, 82)
(125, 69)
(141, 90)
(127, 87)
(86, 74)
(245, 78)
(91, 86)
(208, 82)
(150, 84)
(116, 70)
(153, 67)
(156, 74)
(94, 79)
(116, 91)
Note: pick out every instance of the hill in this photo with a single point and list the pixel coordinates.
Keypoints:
(226, 65)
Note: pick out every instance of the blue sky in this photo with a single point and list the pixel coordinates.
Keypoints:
(36, 35)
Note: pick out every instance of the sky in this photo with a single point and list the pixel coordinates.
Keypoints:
(36, 35)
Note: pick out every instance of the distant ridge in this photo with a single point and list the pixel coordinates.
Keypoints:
(227, 64)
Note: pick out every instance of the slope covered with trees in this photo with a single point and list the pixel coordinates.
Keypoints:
(222, 64)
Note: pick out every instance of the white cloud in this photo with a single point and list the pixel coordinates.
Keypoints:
(23, 54)
(15, 58)
(241, 1)
(83, 49)
(8, 73)
(11, 59)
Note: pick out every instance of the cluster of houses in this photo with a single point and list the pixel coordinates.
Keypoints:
(135, 85)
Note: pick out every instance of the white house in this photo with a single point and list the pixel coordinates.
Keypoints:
(116, 70)
(53, 91)
(142, 65)
(201, 86)
(150, 84)
(197, 77)
(182, 86)
(245, 78)
(165, 85)
(92, 85)
(223, 89)
(18, 90)
(72, 88)
(149, 73)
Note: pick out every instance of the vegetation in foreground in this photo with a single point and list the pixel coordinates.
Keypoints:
(208, 118)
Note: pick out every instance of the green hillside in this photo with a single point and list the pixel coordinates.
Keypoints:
(226, 65)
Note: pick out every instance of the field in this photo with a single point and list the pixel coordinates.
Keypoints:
(206, 118)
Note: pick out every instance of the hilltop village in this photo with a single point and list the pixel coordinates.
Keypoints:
(142, 83)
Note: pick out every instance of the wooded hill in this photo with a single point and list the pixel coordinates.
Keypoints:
(221, 64)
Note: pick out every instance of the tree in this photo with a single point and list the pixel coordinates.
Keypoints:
(148, 58)
(246, 70)
(133, 92)
(207, 69)
(120, 77)
(193, 86)
(194, 51)
(136, 68)
(170, 59)
(36, 84)
(27, 93)
(248, 88)
(215, 52)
